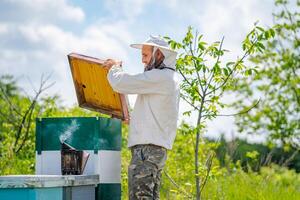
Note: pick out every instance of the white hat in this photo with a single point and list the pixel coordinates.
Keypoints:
(161, 44)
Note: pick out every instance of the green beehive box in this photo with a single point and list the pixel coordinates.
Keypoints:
(48, 187)
(99, 136)
(89, 133)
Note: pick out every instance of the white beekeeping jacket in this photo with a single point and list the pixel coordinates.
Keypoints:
(155, 113)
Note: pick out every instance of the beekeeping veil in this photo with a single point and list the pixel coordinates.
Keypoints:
(159, 43)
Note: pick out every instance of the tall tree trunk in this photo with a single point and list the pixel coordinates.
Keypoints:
(198, 194)
(198, 181)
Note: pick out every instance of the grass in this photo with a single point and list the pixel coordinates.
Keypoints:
(271, 183)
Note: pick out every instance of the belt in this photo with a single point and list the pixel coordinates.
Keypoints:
(154, 145)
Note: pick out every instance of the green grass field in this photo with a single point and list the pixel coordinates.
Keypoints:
(271, 183)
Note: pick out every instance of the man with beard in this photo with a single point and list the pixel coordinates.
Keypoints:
(153, 120)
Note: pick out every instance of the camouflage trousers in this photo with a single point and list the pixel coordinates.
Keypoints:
(144, 171)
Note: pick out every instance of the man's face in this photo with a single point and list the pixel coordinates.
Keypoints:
(146, 54)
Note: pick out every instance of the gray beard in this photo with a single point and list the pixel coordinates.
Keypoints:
(155, 65)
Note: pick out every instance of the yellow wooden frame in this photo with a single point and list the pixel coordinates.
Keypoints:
(93, 89)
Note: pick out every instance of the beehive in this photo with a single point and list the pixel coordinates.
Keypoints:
(99, 136)
(93, 89)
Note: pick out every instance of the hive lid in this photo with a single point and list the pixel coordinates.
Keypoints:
(45, 181)
(93, 89)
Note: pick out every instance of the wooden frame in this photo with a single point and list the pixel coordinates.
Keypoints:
(93, 89)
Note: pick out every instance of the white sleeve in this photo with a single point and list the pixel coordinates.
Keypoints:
(154, 81)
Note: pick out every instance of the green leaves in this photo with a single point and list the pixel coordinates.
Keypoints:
(200, 64)
(276, 80)
(254, 40)
(188, 39)
(206, 77)
(175, 45)
(14, 104)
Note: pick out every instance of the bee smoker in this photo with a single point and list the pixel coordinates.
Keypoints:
(73, 161)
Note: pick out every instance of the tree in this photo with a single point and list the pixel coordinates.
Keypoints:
(205, 78)
(17, 122)
(17, 116)
(278, 81)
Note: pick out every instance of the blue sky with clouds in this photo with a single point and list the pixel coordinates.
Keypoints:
(37, 35)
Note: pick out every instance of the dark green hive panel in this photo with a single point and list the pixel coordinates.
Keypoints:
(87, 133)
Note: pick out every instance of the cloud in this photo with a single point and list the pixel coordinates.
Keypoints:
(230, 18)
(46, 49)
(32, 48)
(214, 19)
(126, 9)
(36, 36)
(23, 11)
(3, 28)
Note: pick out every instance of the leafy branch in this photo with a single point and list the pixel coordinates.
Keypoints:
(196, 71)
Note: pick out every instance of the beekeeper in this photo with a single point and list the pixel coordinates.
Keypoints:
(153, 120)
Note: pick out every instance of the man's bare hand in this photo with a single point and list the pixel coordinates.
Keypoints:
(110, 62)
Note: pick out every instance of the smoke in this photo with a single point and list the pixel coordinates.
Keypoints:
(69, 131)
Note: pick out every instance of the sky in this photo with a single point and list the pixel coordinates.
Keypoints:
(37, 35)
